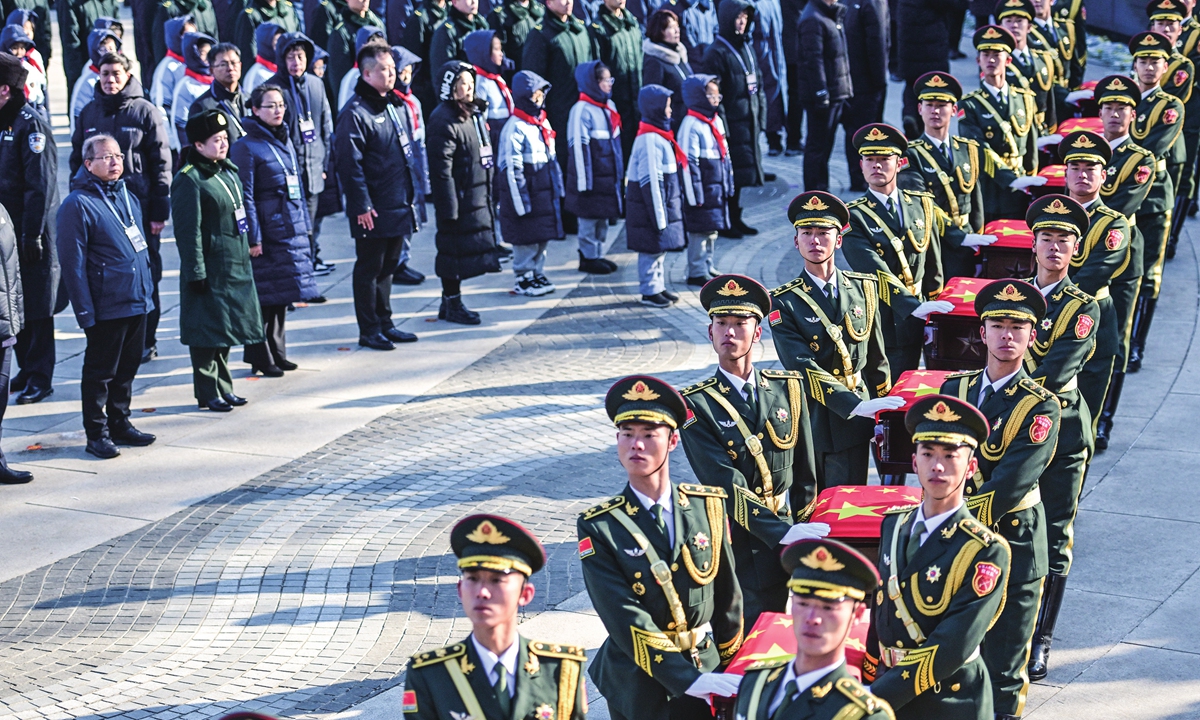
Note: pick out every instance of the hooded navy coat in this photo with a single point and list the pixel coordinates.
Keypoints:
(283, 273)
(531, 185)
(595, 163)
(654, 212)
(305, 97)
(261, 66)
(730, 57)
(708, 182)
(202, 13)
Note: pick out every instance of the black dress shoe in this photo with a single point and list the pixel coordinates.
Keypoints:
(732, 233)
(317, 300)
(149, 354)
(8, 476)
(33, 394)
(399, 336)
(131, 436)
(745, 229)
(234, 400)
(378, 341)
(769, 177)
(286, 365)
(670, 296)
(267, 370)
(405, 275)
(217, 405)
(596, 266)
(612, 266)
(697, 281)
(102, 448)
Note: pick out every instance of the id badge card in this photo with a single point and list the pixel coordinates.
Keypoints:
(405, 145)
(485, 155)
(134, 233)
(293, 187)
(243, 224)
(752, 83)
(308, 130)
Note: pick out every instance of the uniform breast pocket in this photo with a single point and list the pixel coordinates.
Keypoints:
(700, 595)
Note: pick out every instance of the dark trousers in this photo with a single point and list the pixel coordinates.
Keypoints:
(822, 127)
(376, 259)
(274, 347)
(143, 37)
(313, 202)
(861, 110)
(954, 25)
(1061, 484)
(35, 353)
(1005, 648)
(685, 707)
(154, 249)
(795, 109)
(913, 125)
(844, 467)
(210, 373)
(5, 369)
(110, 363)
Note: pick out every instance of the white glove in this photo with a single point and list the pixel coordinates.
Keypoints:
(868, 408)
(1028, 181)
(804, 531)
(709, 684)
(929, 307)
(1052, 139)
(973, 241)
(1075, 96)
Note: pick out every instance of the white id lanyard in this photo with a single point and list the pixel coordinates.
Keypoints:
(401, 133)
(293, 179)
(239, 211)
(132, 231)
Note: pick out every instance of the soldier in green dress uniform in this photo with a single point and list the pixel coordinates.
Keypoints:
(1071, 15)
(1063, 340)
(831, 587)
(1002, 118)
(1189, 45)
(1024, 419)
(1135, 183)
(495, 673)
(748, 432)
(946, 575)
(949, 168)
(1055, 36)
(895, 235)
(659, 570)
(1032, 67)
(826, 325)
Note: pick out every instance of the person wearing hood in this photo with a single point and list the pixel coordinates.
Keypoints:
(653, 200)
(169, 72)
(595, 165)
(280, 13)
(418, 34)
(16, 42)
(731, 58)
(462, 19)
(197, 79)
(553, 52)
(406, 65)
(708, 183)
(513, 20)
(486, 53)
(310, 122)
(825, 84)
(201, 11)
(530, 186)
(355, 16)
(617, 37)
(108, 276)
(100, 43)
(277, 216)
(121, 111)
(374, 153)
(350, 79)
(76, 20)
(34, 17)
(29, 192)
(265, 65)
(460, 175)
(664, 56)
(218, 303)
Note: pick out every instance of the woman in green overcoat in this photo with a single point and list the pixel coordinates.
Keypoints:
(218, 304)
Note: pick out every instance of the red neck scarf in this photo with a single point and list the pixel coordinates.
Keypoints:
(202, 79)
(94, 69)
(411, 104)
(494, 77)
(174, 56)
(539, 122)
(715, 131)
(680, 156)
(260, 60)
(614, 118)
(29, 59)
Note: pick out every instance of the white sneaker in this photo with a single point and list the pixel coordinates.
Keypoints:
(544, 283)
(528, 285)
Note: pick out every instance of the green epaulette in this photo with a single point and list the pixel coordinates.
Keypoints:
(918, 142)
(698, 386)
(779, 374)
(962, 374)
(786, 287)
(898, 509)
(859, 695)
(448, 25)
(769, 663)
(565, 652)
(966, 140)
(1106, 210)
(187, 168)
(438, 656)
(1075, 292)
(1035, 389)
(974, 93)
(917, 193)
(609, 504)
(860, 276)
(702, 490)
(1023, 91)
(977, 530)
(856, 203)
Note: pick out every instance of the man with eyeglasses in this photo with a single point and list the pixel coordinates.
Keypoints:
(226, 93)
(106, 268)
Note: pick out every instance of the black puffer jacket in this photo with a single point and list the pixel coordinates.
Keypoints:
(12, 299)
(29, 192)
(141, 133)
(744, 113)
(824, 62)
(922, 39)
(305, 96)
(457, 139)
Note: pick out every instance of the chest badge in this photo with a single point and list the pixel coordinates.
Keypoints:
(727, 423)
(1047, 323)
(782, 415)
(933, 574)
(812, 319)
(858, 312)
(635, 552)
(700, 541)
(814, 347)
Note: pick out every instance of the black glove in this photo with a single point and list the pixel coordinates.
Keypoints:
(31, 251)
(199, 287)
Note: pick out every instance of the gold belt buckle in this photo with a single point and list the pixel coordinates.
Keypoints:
(754, 445)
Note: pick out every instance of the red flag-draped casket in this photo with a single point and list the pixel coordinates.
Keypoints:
(1089, 109)
(1011, 256)
(1056, 180)
(952, 340)
(892, 446)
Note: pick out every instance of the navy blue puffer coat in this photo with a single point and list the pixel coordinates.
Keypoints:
(595, 165)
(654, 212)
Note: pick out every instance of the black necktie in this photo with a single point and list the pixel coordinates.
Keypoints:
(789, 695)
(914, 541)
(656, 511)
(751, 401)
(984, 394)
(947, 153)
(893, 211)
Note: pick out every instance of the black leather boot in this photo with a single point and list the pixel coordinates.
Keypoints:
(1137, 339)
(1052, 597)
(454, 311)
(1111, 400)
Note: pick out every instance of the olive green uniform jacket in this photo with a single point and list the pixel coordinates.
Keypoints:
(513, 21)
(1038, 78)
(1135, 183)
(1009, 131)
(837, 696)
(956, 190)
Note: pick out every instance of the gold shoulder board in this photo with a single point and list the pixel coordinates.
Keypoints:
(1075, 292)
(975, 529)
(900, 509)
(967, 141)
(768, 664)
(565, 652)
(440, 655)
(917, 193)
(785, 287)
(858, 275)
(857, 202)
(1035, 389)
(698, 386)
(858, 695)
(963, 374)
(781, 374)
(610, 504)
(702, 490)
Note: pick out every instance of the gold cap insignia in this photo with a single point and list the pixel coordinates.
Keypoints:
(1167, 5)
(1083, 142)
(941, 412)
(991, 34)
(220, 119)
(640, 391)
(1056, 208)
(1010, 294)
(875, 135)
(1013, 3)
(821, 559)
(814, 203)
(731, 288)
(1116, 84)
(1148, 41)
(937, 81)
(487, 534)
